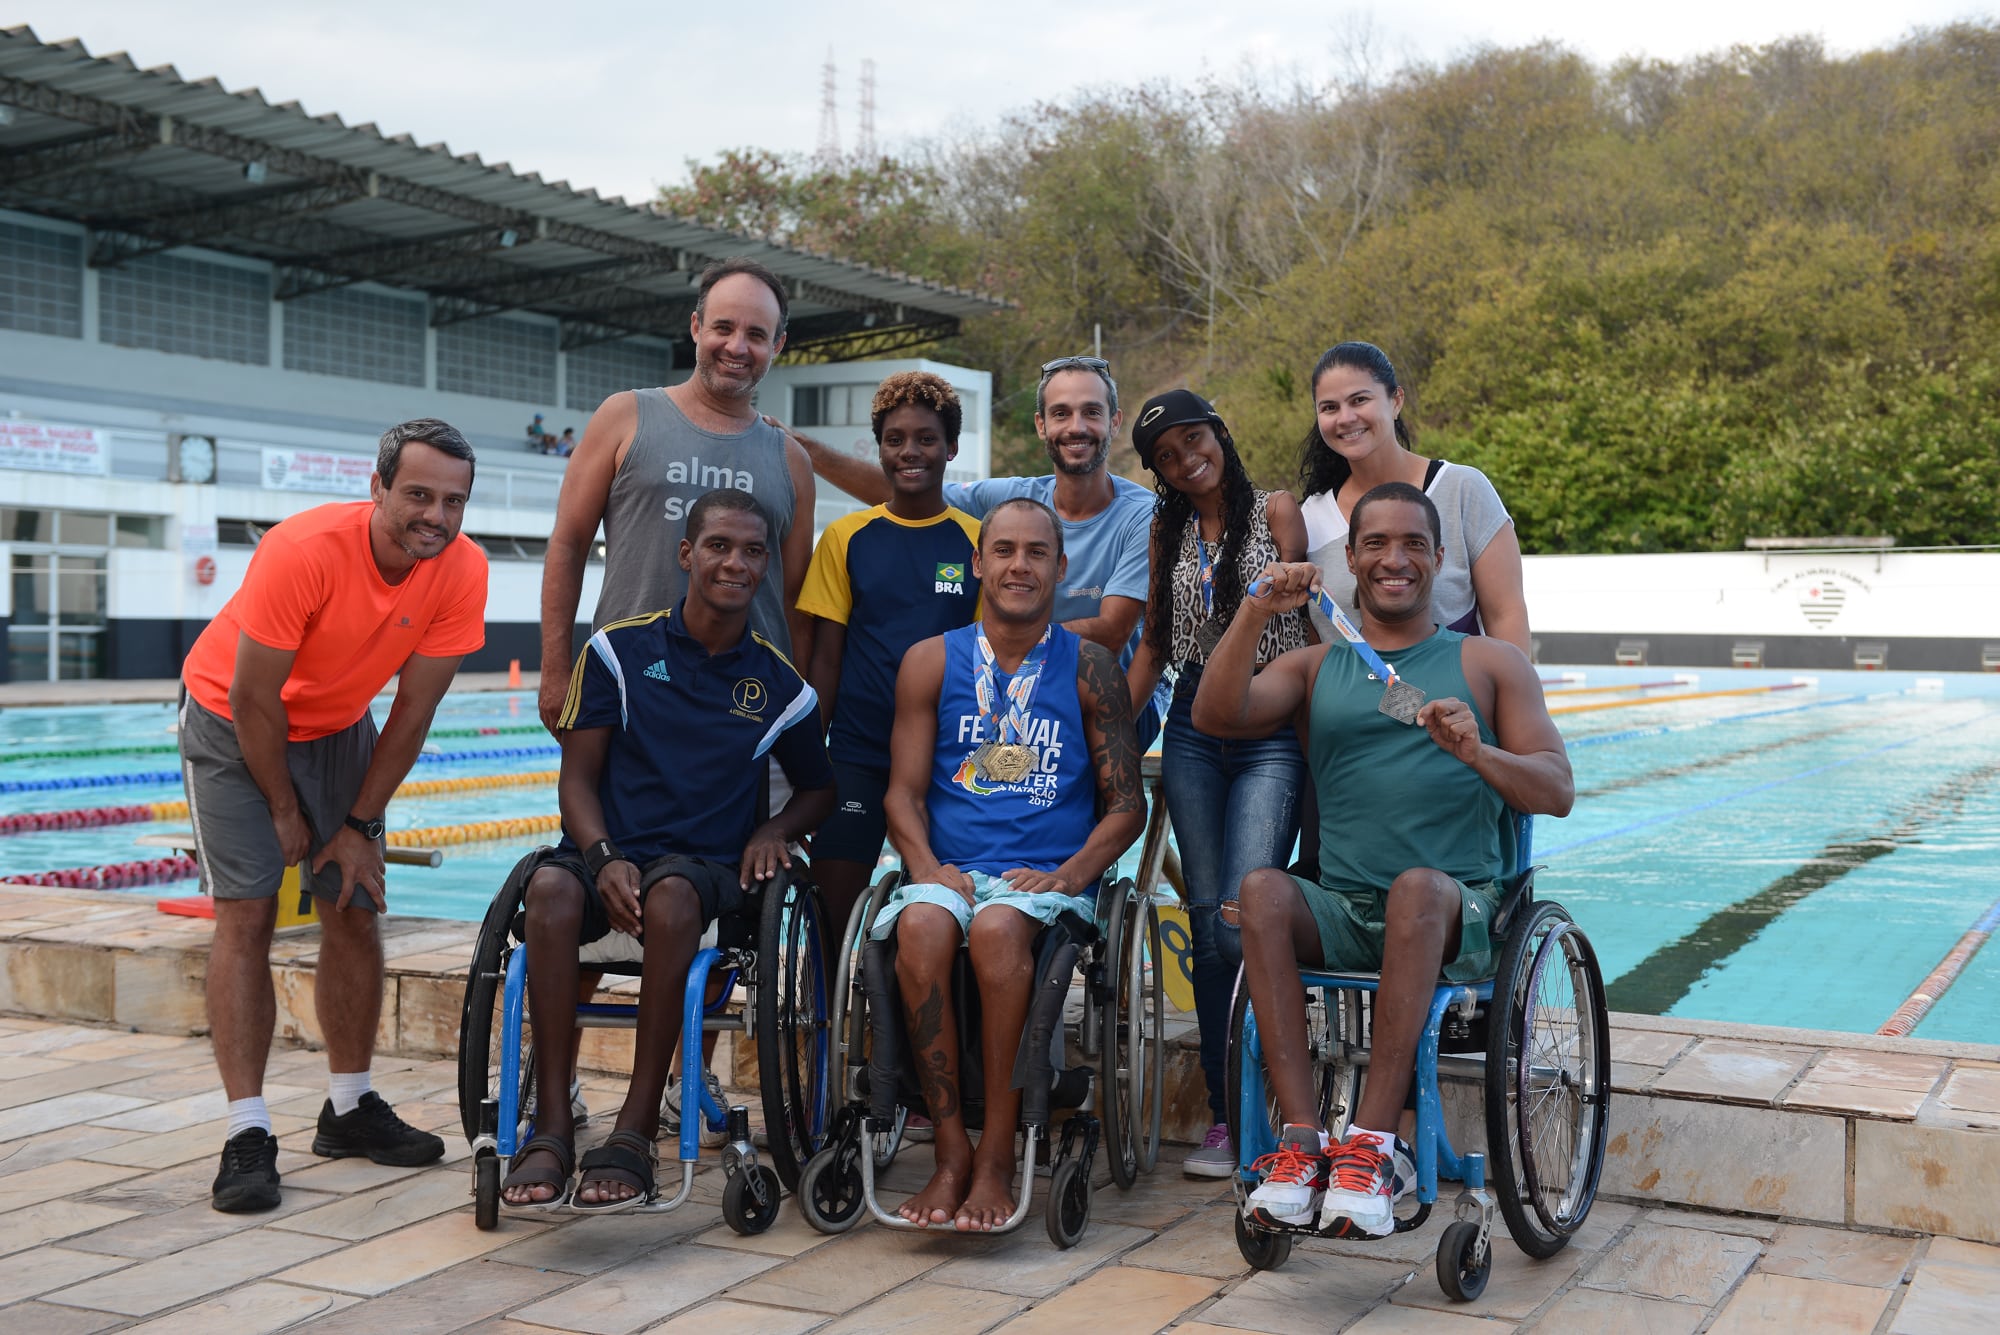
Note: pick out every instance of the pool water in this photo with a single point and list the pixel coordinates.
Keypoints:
(1803, 857)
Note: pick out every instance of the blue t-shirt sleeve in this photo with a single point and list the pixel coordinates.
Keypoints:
(1131, 568)
(597, 698)
(976, 498)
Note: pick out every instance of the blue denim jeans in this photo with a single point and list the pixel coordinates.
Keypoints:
(1234, 806)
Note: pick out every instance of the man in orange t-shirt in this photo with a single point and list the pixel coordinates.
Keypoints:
(282, 763)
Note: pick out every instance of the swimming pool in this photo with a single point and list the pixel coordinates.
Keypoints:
(1798, 857)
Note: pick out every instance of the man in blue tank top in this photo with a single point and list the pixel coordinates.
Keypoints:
(1410, 840)
(1011, 734)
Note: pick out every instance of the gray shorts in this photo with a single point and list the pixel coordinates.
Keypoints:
(234, 840)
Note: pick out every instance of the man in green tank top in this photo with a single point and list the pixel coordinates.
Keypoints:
(1411, 853)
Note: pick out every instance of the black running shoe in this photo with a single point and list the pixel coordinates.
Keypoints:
(248, 1179)
(374, 1130)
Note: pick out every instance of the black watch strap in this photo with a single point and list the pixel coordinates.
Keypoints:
(600, 854)
(368, 829)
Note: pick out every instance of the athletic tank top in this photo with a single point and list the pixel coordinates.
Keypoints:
(1039, 822)
(1423, 806)
(670, 465)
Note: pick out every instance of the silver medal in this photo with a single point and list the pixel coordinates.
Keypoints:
(1401, 701)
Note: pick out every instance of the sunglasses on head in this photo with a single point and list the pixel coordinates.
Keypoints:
(1075, 364)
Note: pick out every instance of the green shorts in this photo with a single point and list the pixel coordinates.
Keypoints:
(1351, 928)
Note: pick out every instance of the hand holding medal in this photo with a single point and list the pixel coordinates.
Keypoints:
(1400, 700)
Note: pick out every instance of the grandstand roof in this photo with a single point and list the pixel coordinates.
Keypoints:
(149, 160)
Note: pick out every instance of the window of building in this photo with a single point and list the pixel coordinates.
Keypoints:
(831, 405)
(238, 532)
(195, 307)
(41, 281)
(360, 335)
(597, 372)
(141, 531)
(499, 358)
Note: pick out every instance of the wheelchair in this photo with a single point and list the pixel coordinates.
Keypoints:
(772, 948)
(1535, 1034)
(1116, 1093)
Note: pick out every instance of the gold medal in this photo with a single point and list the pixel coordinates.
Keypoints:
(1012, 762)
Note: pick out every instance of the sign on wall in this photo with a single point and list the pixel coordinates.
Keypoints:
(50, 447)
(317, 470)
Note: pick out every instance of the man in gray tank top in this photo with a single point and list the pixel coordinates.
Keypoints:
(649, 454)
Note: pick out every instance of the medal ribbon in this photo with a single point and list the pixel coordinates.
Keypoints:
(1324, 601)
(1020, 690)
(1204, 579)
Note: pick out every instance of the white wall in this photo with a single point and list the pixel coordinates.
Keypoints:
(1890, 595)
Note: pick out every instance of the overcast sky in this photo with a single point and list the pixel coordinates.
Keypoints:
(618, 95)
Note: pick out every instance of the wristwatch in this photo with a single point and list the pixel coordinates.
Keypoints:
(369, 829)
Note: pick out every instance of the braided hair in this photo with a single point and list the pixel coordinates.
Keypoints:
(1171, 514)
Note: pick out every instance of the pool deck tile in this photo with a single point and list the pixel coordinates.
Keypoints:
(1782, 1304)
(1728, 1069)
(1928, 1179)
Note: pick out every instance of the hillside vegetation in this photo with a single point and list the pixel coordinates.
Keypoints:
(1664, 306)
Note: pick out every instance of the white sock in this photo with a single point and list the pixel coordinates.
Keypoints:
(247, 1113)
(345, 1089)
(1385, 1141)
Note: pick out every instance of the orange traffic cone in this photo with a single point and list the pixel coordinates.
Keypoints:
(514, 674)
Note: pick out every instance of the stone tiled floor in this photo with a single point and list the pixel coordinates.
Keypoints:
(109, 1143)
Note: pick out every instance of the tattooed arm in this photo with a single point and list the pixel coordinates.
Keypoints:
(1114, 753)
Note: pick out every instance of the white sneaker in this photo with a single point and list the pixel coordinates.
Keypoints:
(1294, 1180)
(578, 1113)
(1365, 1185)
(670, 1110)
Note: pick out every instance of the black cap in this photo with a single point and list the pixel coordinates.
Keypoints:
(1176, 407)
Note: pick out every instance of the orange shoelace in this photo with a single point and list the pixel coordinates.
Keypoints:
(1289, 1164)
(1357, 1167)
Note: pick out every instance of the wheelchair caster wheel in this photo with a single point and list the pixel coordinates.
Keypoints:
(1069, 1203)
(486, 1191)
(1263, 1249)
(750, 1201)
(830, 1190)
(1462, 1264)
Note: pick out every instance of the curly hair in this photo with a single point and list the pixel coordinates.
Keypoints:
(918, 389)
(1171, 514)
(1320, 467)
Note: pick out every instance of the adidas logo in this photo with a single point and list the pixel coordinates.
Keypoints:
(658, 671)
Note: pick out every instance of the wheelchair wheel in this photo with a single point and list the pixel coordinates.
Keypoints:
(793, 1047)
(479, 1027)
(1068, 1212)
(830, 1193)
(1463, 1266)
(1548, 1069)
(1262, 1248)
(750, 1200)
(486, 1191)
(1335, 1026)
(1133, 1076)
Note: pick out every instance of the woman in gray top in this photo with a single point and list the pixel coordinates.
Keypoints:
(1359, 441)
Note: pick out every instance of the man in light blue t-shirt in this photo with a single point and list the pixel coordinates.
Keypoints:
(1107, 519)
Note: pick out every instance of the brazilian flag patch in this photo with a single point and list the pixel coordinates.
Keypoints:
(950, 572)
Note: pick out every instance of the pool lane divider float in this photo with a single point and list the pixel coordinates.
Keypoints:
(169, 748)
(1615, 690)
(89, 818)
(1908, 1015)
(174, 775)
(1663, 729)
(1676, 699)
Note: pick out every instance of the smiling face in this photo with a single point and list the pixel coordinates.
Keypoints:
(1188, 458)
(1018, 565)
(421, 511)
(736, 336)
(727, 559)
(914, 451)
(1076, 423)
(1394, 559)
(1357, 414)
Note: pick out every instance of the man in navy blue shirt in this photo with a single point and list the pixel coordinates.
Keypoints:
(667, 723)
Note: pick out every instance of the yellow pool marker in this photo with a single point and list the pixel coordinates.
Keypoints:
(1177, 970)
(1674, 699)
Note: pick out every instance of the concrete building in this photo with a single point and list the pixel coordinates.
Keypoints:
(211, 306)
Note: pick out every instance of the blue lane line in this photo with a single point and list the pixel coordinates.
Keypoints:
(1633, 734)
(1741, 793)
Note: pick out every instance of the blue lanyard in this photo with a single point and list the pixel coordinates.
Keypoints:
(1204, 579)
(1020, 690)
(1324, 601)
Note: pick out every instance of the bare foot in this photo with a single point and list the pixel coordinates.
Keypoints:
(940, 1199)
(989, 1203)
(604, 1191)
(534, 1193)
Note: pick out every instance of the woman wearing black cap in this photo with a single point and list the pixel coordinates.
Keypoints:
(1234, 804)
